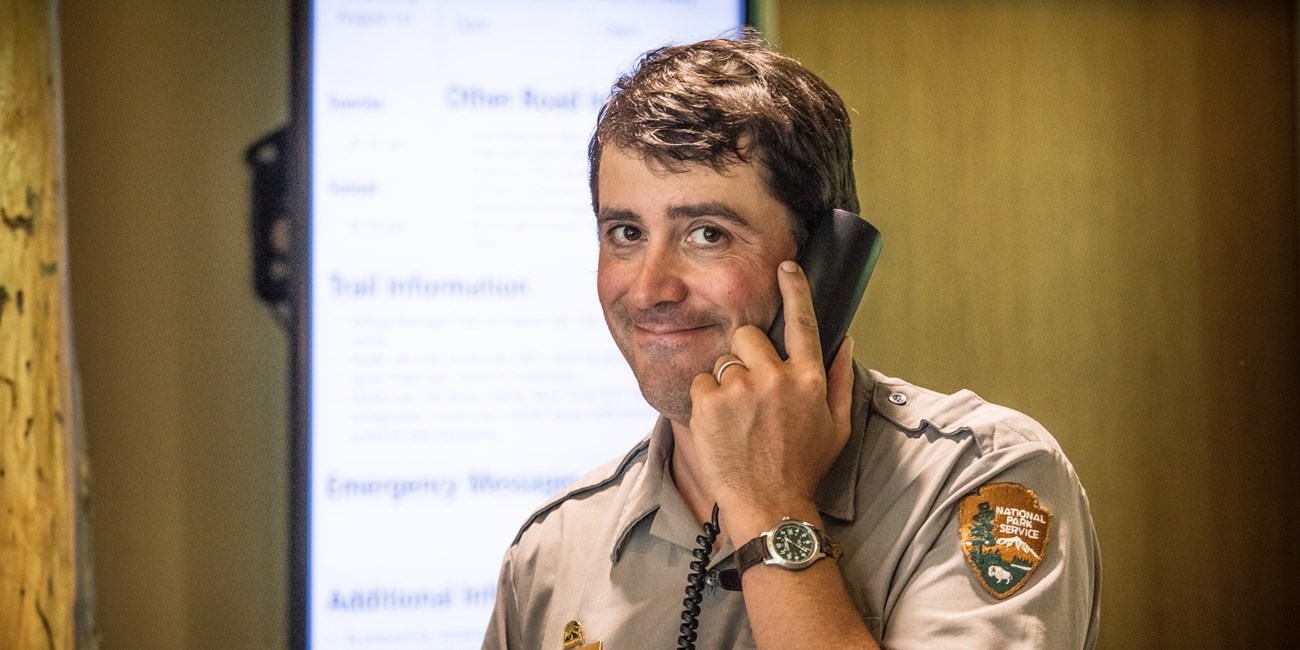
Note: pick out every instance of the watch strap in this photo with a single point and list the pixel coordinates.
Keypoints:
(752, 552)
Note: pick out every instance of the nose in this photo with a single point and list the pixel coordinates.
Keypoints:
(659, 278)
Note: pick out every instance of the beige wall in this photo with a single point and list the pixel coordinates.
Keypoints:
(1089, 215)
(184, 373)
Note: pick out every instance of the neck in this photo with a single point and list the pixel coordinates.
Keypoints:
(687, 476)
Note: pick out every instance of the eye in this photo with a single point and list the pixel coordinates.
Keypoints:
(706, 235)
(623, 234)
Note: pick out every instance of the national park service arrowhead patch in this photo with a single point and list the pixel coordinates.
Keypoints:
(1004, 535)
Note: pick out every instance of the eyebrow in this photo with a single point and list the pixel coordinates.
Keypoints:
(677, 212)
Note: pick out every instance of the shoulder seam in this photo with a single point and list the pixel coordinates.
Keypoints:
(627, 461)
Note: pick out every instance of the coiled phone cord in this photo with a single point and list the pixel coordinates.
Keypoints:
(695, 583)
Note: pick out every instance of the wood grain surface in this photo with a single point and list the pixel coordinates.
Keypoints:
(37, 552)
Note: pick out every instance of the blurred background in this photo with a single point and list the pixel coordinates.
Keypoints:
(1090, 216)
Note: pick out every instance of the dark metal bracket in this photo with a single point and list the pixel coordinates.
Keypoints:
(271, 226)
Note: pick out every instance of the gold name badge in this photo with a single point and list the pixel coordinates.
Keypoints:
(573, 638)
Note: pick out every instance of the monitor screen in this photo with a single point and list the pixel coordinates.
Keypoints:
(453, 367)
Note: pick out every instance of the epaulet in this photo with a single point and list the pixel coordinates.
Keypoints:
(593, 481)
(919, 411)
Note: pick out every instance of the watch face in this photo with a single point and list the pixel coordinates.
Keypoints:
(794, 542)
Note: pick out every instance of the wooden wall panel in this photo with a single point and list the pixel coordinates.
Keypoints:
(1090, 215)
(37, 522)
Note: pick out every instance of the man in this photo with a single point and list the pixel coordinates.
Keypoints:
(928, 520)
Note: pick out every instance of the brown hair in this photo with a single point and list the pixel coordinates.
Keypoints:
(722, 101)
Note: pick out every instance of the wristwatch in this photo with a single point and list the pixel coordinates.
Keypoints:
(792, 545)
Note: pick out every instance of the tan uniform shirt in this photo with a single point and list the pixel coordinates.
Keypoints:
(613, 552)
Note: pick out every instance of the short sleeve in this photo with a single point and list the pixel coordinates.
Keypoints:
(502, 631)
(948, 604)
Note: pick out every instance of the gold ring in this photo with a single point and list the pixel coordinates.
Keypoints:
(727, 364)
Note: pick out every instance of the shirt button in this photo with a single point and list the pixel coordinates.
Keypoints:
(898, 398)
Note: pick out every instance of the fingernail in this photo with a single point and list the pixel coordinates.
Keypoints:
(789, 266)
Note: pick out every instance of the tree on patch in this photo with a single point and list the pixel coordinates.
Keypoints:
(982, 531)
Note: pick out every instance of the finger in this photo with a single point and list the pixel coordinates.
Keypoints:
(753, 347)
(727, 363)
(801, 336)
(701, 386)
(839, 384)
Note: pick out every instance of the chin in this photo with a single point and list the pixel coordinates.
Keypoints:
(670, 396)
(664, 374)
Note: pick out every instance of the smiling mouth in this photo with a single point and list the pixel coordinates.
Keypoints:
(664, 330)
(664, 334)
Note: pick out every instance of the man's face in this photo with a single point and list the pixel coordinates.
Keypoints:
(686, 257)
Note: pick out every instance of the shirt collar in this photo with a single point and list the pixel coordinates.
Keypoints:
(644, 497)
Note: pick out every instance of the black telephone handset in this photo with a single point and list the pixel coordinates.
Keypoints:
(838, 258)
